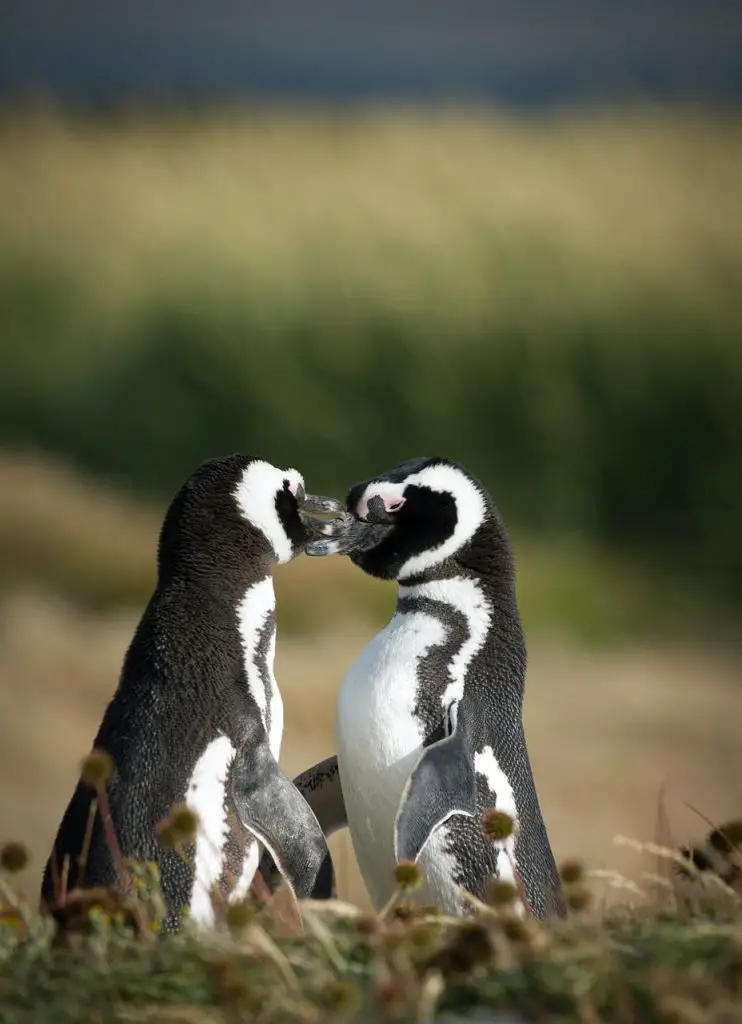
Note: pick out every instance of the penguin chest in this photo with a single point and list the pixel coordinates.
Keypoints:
(379, 738)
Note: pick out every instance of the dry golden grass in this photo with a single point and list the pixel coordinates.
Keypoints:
(394, 204)
(62, 529)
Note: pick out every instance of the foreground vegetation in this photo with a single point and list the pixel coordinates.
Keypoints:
(675, 957)
(555, 303)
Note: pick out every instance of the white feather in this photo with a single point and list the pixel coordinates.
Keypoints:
(487, 765)
(467, 597)
(256, 497)
(379, 739)
(252, 614)
(205, 797)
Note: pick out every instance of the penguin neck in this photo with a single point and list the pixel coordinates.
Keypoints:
(228, 612)
(489, 609)
(448, 584)
(256, 624)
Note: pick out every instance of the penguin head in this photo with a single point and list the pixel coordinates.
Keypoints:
(424, 519)
(240, 510)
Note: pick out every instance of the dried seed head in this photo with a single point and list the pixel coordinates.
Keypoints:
(13, 857)
(153, 871)
(185, 821)
(497, 825)
(166, 836)
(572, 871)
(471, 946)
(340, 997)
(394, 937)
(238, 916)
(727, 837)
(407, 875)
(525, 935)
(500, 893)
(84, 908)
(392, 992)
(577, 897)
(422, 937)
(97, 768)
(405, 911)
(133, 867)
(517, 930)
(367, 924)
(178, 828)
(697, 860)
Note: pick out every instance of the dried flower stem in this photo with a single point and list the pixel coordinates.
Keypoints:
(87, 839)
(519, 885)
(390, 904)
(56, 883)
(111, 841)
(65, 874)
(8, 894)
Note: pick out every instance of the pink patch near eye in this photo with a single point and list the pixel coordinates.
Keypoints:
(393, 504)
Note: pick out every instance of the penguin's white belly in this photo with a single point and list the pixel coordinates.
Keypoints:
(378, 742)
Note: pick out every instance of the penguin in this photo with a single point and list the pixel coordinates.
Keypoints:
(320, 787)
(429, 719)
(197, 717)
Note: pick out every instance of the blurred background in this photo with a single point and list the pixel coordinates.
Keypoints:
(340, 236)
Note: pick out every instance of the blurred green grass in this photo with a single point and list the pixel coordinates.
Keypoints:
(553, 302)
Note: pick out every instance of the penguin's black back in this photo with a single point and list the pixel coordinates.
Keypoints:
(182, 684)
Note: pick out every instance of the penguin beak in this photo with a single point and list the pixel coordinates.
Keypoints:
(315, 504)
(347, 534)
(317, 513)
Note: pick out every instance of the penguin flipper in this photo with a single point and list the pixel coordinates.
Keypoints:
(441, 784)
(320, 787)
(274, 811)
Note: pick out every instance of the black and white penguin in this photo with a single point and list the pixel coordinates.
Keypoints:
(429, 725)
(197, 717)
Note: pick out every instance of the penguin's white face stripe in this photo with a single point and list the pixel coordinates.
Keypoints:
(391, 494)
(486, 765)
(470, 510)
(467, 597)
(252, 614)
(256, 497)
(205, 796)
